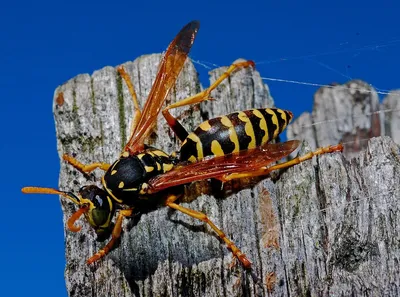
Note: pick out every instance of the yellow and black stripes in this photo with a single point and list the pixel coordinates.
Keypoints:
(234, 132)
(125, 180)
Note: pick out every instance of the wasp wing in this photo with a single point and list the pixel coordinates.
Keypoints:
(168, 71)
(217, 167)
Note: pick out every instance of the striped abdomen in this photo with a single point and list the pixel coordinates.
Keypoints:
(234, 132)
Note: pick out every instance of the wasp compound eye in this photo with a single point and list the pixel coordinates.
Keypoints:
(101, 206)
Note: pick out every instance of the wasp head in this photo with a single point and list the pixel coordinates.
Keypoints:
(97, 206)
(93, 202)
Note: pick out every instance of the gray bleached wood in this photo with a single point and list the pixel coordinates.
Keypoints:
(341, 113)
(324, 230)
(391, 110)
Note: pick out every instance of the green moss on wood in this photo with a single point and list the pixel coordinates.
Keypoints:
(86, 144)
(296, 210)
(122, 126)
(74, 105)
(92, 96)
(101, 133)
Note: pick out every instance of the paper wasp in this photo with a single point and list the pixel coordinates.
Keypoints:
(225, 148)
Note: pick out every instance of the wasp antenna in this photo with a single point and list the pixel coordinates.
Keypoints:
(74, 218)
(39, 190)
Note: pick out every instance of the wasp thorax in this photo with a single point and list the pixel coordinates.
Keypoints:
(126, 179)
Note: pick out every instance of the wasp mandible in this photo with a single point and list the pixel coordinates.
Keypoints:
(233, 146)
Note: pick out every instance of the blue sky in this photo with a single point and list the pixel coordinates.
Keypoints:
(43, 44)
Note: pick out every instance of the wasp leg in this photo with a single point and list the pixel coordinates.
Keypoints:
(116, 233)
(85, 168)
(297, 160)
(178, 129)
(203, 217)
(129, 84)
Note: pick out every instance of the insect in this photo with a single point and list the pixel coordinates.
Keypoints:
(229, 147)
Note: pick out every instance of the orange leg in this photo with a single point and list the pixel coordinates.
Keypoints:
(74, 218)
(203, 217)
(85, 168)
(297, 160)
(137, 112)
(200, 97)
(116, 233)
